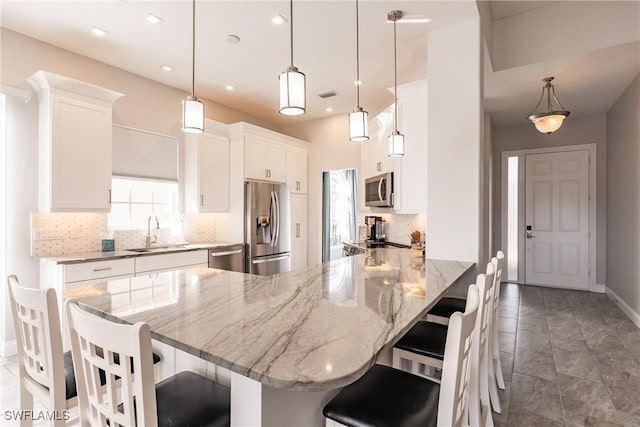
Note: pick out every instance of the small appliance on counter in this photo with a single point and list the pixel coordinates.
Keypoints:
(375, 231)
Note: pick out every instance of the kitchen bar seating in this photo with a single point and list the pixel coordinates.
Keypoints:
(386, 396)
(185, 399)
(424, 343)
(40, 358)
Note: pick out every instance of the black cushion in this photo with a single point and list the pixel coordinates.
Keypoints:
(386, 396)
(425, 338)
(70, 376)
(188, 399)
(447, 306)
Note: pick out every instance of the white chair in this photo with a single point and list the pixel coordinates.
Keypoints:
(41, 369)
(385, 396)
(130, 398)
(494, 347)
(423, 344)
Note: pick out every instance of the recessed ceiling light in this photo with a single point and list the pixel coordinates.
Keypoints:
(229, 87)
(357, 82)
(328, 109)
(153, 19)
(99, 32)
(278, 19)
(166, 67)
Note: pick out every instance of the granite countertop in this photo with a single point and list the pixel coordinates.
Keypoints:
(105, 256)
(317, 328)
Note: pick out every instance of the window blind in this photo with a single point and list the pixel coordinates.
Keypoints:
(140, 154)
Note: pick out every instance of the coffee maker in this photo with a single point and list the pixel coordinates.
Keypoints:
(375, 231)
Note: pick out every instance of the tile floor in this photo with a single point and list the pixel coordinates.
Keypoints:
(569, 359)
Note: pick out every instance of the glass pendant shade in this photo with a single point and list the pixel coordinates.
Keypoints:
(548, 123)
(358, 126)
(396, 144)
(192, 115)
(292, 92)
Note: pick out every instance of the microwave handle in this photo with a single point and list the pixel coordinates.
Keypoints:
(380, 189)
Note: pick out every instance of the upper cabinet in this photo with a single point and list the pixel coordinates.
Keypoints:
(207, 170)
(297, 170)
(74, 144)
(264, 159)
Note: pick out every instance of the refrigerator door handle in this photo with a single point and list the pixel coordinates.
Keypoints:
(272, 219)
(270, 259)
(277, 218)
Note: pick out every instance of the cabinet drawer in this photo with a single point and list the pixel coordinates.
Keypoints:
(174, 260)
(98, 270)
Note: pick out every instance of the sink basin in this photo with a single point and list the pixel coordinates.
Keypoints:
(158, 248)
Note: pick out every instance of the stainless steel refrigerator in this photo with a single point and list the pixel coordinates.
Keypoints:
(267, 228)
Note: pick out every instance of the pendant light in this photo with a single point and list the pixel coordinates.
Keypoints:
(358, 118)
(551, 120)
(192, 108)
(292, 83)
(396, 139)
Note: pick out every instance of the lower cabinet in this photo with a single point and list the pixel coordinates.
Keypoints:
(172, 261)
(298, 231)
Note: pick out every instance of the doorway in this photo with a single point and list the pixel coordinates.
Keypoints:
(548, 216)
(338, 211)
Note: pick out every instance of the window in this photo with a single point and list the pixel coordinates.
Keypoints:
(512, 218)
(338, 211)
(133, 201)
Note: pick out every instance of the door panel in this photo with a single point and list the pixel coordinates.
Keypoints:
(557, 209)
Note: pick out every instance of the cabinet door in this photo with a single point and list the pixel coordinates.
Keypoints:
(255, 158)
(213, 171)
(298, 231)
(380, 161)
(411, 196)
(277, 162)
(80, 155)
(297, 171)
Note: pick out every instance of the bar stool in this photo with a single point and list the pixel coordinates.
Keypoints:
(184, 399)
(423, 344)
(40, 358)
(385, 396)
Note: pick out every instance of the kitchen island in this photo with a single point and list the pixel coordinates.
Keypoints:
(289, 339)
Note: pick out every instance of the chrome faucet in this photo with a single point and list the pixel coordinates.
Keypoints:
(155, 238)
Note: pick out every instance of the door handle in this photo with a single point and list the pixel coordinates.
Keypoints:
(277, 218)
(380, 189)
(530, 236)
(270, 259)
(215, 254)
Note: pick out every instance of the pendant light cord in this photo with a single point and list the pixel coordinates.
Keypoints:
(395, 72)
(291, 25)
(357, 55)
(193, 51)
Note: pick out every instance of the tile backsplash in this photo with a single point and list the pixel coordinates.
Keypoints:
(55, 234)
(399, 227)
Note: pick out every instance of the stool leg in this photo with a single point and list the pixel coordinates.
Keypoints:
(496, 359)
(26, 404)
(484, 390)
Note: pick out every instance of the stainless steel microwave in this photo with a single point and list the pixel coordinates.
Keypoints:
(378, 191)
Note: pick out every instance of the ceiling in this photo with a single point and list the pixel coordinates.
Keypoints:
(324, 36)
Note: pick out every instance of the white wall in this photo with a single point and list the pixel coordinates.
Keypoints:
(574, 131)
(454, 74)
(330, 149)
(623, 204)
(487, 248)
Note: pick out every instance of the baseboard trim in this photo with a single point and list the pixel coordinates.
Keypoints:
(626, 308)
(601, 289)
(8, 348)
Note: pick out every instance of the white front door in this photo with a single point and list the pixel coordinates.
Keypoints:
(557, 219)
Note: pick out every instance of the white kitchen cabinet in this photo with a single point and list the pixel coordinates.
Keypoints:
(145, 264)
(379, 160)
(297, 170)
(74, 158)
(298, 231)
(207, 168)
(264, 159)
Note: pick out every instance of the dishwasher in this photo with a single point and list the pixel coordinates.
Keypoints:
(228, 257)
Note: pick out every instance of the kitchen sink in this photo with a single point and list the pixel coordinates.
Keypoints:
(157, 248)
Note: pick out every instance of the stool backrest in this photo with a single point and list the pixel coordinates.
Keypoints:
(454, 388)
(36, 322)
(123, 352)
(485, 313)
(498, 264)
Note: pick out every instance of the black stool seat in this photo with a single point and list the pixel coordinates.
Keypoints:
(188, 399)
(447, 306)
(425, 338)
(70, 375)
(386, 396)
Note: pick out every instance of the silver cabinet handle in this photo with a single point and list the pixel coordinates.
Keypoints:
(297, 229)
(201, 200)
(109, 191)
(266, 173)
(263, 260)
(102, 269)
(214, 254)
